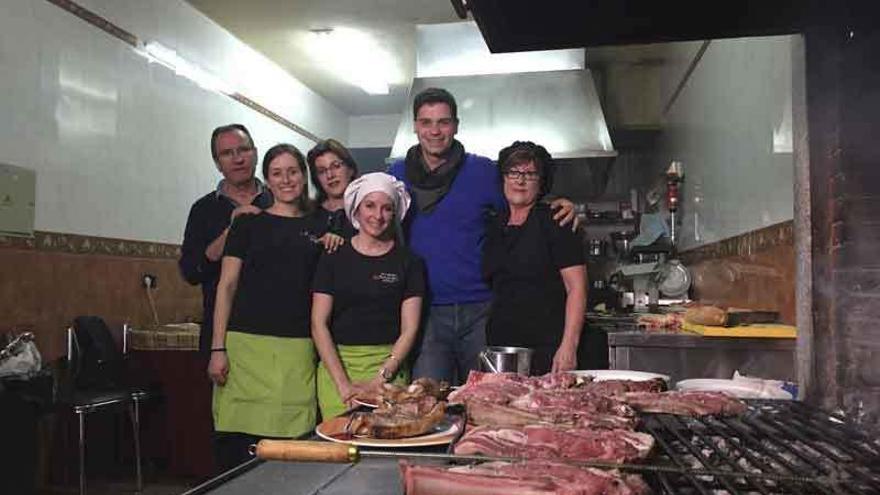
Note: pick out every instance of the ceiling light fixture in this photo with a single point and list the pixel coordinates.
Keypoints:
(161, 54)
(354, 56)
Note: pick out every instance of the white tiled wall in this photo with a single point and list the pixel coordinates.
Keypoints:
(731, 128)
(120, 146)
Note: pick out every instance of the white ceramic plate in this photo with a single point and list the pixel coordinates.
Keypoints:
(443, 434)
(636, 376)
(738, 388)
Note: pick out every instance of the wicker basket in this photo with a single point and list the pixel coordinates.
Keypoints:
(171, 337)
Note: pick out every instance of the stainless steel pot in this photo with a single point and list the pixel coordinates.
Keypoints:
(503, 359)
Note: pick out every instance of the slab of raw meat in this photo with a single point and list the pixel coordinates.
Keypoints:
(685, 403)
(555, 442)
(529, 478)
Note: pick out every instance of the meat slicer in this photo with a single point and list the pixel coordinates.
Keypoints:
(641, 285)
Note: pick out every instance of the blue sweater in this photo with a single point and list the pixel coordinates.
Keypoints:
(450, 238)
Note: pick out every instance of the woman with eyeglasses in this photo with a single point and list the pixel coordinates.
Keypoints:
(367, 297)
(332, 169)
(535, 267)
(262, 355)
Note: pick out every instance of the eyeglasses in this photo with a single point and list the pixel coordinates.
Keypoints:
(530, 176)
(334, 166)
(230, 152)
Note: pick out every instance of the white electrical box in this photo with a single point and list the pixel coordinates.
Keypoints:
(18, 188)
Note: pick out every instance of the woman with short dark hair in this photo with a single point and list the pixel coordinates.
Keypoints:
(535, 267)
(332, 168)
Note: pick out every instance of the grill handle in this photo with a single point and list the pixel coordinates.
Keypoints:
(305, 450)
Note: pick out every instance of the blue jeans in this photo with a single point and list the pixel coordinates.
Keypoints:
(454, 335)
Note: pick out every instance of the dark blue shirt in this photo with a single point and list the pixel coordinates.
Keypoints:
(208, 218)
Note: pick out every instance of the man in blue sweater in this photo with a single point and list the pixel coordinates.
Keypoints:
(452, 192)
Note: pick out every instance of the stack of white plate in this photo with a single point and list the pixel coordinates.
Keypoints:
(637, 376)
(742, 388)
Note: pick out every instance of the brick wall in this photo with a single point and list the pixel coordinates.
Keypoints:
(755, 270)
(843, 105)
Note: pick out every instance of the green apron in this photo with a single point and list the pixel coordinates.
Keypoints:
(270, 388)
(362, 363)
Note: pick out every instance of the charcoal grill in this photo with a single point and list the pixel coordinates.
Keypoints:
(808, 450)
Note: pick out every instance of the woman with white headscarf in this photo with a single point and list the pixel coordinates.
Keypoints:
(367, 297)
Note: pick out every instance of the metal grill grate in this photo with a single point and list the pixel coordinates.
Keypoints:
(777, 447)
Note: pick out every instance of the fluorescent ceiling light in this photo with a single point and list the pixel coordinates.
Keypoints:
(161, 54)
(355, 57)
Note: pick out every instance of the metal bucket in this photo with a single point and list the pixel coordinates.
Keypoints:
(503, 359)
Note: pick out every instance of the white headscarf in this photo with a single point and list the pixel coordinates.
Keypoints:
(359, 188)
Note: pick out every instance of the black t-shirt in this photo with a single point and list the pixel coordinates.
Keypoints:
(336, 222)
(522, 265)
(367, 292)
(279, 255)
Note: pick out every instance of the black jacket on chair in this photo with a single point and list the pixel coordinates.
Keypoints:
(98, 364)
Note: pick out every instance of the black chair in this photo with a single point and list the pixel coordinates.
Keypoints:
(97, 381)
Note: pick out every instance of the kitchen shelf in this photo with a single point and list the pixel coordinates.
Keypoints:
(608, 221)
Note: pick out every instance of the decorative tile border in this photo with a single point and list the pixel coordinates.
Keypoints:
(96, 20)
(743, 245)
(85, 244)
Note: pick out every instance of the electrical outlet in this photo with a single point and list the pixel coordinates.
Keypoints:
(149, 281)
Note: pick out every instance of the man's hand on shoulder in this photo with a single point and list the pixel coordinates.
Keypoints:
(244, 210)
(563, 212)
(214, 251)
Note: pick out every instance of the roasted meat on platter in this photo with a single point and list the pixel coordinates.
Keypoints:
(390, 392)
(408, 418)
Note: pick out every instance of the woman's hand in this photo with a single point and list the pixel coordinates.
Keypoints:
(565, 358)
(218, 368)
(375, 384)
(348, 392)
(366, 388)
(331, 241)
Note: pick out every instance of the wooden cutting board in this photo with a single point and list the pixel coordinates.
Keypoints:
(763, 330)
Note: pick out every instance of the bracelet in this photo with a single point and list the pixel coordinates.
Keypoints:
(218, 349)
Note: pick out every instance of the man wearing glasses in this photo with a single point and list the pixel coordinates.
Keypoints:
(453, 191)
(239, 192)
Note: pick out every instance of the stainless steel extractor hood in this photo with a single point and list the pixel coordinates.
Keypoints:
(558, 109)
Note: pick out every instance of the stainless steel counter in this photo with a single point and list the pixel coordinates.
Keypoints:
(687, 355)
(368, 477)
(611, 322)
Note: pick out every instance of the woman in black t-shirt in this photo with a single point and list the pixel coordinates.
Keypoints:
(367, 297)
(332, 169)
(535, 267)
(262, 356)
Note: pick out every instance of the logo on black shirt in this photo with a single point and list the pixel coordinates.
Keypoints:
(386, 278)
